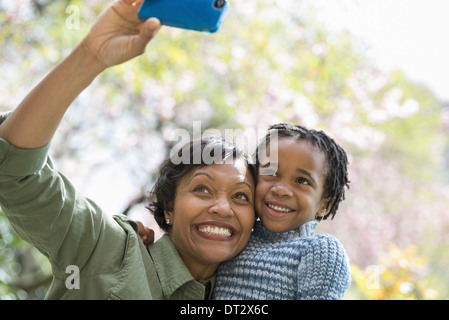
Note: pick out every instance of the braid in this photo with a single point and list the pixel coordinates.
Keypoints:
(336, 178)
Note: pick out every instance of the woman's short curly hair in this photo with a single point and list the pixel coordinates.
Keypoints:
(200, 153)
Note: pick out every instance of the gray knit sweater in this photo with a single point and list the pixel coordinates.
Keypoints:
(298, 264)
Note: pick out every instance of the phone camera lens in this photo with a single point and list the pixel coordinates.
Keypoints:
(218, 4)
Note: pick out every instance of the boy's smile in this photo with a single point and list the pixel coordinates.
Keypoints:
(278, 208)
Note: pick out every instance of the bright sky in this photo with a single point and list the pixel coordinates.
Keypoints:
(411, 35)
(408, 34)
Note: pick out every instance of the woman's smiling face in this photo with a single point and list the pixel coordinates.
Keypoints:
(290, 196)
(212, 216)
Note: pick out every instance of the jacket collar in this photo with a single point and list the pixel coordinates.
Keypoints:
(173, 273)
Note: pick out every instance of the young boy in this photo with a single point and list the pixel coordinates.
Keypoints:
(284, 258)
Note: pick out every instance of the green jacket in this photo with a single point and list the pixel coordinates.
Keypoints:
(76, 235)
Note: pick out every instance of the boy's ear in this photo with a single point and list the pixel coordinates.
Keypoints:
(325, 206)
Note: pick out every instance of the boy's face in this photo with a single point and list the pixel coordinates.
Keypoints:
(292, 195)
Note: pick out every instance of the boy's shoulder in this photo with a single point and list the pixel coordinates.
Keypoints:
(324, 252)
(322, 242)
(318, 238)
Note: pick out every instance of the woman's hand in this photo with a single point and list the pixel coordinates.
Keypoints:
(146, 234)
(118, 35)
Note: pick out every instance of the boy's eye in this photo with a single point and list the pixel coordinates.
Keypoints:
(267, 172)
(303, 181)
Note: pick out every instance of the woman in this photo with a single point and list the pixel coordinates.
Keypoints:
(93, 255)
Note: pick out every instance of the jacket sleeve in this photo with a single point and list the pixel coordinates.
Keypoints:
(47, 211)
(324, 271)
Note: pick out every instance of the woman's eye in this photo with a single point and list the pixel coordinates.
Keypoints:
(241, 196)
(201, 189)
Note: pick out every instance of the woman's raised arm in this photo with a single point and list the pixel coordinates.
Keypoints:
(116, 37)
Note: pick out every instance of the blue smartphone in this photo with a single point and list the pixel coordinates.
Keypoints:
(199, 15)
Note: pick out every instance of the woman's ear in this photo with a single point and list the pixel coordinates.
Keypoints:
(168, 215)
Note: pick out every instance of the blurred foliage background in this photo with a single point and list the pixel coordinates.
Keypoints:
(270, 62)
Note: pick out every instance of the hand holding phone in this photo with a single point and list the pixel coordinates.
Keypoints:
(199, 15)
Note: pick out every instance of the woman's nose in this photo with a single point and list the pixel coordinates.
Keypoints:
(221, 206)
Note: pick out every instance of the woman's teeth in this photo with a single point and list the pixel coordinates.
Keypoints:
(217, 231)
(280, 209)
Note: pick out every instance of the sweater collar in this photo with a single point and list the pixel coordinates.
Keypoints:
(305, 230)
